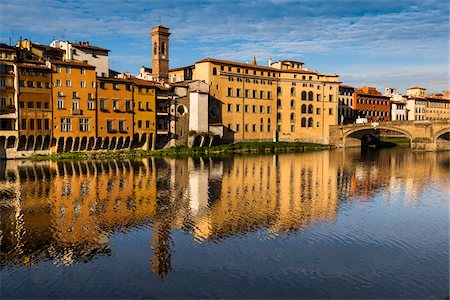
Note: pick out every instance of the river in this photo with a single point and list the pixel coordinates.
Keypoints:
(327, 224)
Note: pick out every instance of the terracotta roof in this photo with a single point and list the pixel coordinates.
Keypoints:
(119, 80)
(34, 66)
(433, 99)
(181, 68)
(292, 61)
(415, 87)
(370, 95)
(298, 71)
(346, 86)
(141, 82)
(78, 45)
(72, 63)
(227, 62)
(47, 47)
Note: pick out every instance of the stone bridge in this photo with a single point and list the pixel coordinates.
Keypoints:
(424, 135)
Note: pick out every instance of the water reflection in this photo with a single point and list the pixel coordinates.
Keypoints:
(67, 211)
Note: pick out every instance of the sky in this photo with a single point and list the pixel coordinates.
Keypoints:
(380, 43)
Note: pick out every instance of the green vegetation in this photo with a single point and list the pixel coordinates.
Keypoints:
(183, 151)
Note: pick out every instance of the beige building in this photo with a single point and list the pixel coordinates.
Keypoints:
(421, 106)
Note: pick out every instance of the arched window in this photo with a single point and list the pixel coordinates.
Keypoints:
(214, 71)
(310, 122)
(310, 96)
(292, 103)
(303, 95)
(163, 48)
(292, 91)
(310, 109)
(279, 90)
(155, 47)
(303, 122)
(304, 109)
(279, 103)
(292, 118)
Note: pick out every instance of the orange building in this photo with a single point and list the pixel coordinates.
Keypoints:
(35, 109)
(144, 98)
(369, 103)
(74, 104)
(115, 115)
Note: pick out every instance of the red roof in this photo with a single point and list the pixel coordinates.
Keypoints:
(86, 46)
(72, 63)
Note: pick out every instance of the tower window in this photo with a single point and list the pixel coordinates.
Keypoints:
(155, 47)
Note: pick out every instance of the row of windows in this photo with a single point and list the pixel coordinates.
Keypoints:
(372, 101)
(244, 71)
(75, 95)
(116, 105)
(69, 70)
(83, 124)
(374, 113)
(246, 80)
(35, 124)
(255, 94)
(75, 105)
(111, 128)
(253, 127)
(68, 83)
(34, 84)
(346, 101)
(33, 73)
(33, 105)
(147, 124)
(439, 104)
(115, 86)
(262, 108)
(304, 111)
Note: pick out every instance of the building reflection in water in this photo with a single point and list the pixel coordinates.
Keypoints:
(67, 211)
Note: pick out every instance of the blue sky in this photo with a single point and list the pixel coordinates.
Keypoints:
(395, 43)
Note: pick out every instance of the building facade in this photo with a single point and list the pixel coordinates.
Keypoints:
(144, 98)
(74, 105)
(370, 104)
(345, 105)
(8, 96)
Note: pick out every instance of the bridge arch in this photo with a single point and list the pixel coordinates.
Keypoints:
(359, 134)
(443, 133)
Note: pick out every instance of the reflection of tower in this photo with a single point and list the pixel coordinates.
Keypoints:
(160, 52)
(161, 261)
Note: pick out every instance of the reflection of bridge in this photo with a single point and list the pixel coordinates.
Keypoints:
(424, 135)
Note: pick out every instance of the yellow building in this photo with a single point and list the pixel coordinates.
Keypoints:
(144, 97)
(74, 105)
(307, 103)
(242, 97)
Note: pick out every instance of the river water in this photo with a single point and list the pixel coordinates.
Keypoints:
(329, 224)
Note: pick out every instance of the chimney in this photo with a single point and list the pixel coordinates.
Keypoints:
(270, 62)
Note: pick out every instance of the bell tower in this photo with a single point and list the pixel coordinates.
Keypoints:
(160, 52)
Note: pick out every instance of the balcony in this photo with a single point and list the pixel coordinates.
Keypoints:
(77, 112)
(162, 111)
(8, 109)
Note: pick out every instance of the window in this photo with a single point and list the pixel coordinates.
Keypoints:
(304, 109)
(292, 104)
(254, 108)
(128, 87)
(303, 123)
(246, 128)
(304, 95)
(46, 105)
(268, 127)
(230, 127)
(230, 108)
(115, 86)
(292, 117)
(238, 107)
(246, 108)
(46, 124)
(254, 93)
(24, 124)
(238, 127)
(261, 109)
(214, 71)
(30, 84)
(269, 109)
(21, 83)
(90, 96)
(82, 71)
(292, 91)
(310, 122)
(317, 111)
(261, 127)
(83, 84)
(279, 103)
(269, 95)
(254, 127)
(102, 104)
(75, 95)
(66, 124)
(261, 94)
(58, 69)
(230, 92)
(330, 97)
(58, 82)
(330, 111)
(60, 104)
(68, 70)
(310, 109)
(310, 96)
(109, 125)
(139, 124)
(247, 93)
(68, 83)
(292, 128)
(39, 84)
(31, 124)
(91, 105)
(278, 117)
(115, 104)
(30, 105)
(84, 124)
(238, 92)
(128, 105)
